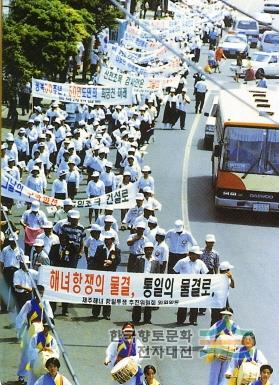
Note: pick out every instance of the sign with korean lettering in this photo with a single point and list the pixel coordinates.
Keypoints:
(132, 289)
(123, 198)
(81, 93)
(124, 64)
(117, 77)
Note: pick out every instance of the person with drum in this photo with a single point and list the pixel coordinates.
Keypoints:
(123, 357)
(53, 377)
(246, 360)
(223, 340)
(42, 346)
(29, 319)
(265, 373)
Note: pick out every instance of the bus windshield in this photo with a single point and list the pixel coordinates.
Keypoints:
(251, 150)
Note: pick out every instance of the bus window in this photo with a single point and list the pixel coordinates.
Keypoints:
(272, 163)
(242, 149)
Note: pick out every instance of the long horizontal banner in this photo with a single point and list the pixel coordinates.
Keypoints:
(123, 198)
(115, 76)
(127, 65)
(129, 289)
(78, 93)
(139, 43)
(140, 57)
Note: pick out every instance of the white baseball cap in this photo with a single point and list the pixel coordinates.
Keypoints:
(95, 227)
(141, 225)
(35, 206)
(210, 238)
(152, 219)
(38, 242)
(109, 218)
(179, 225)
(148, 244)
(146, 169)
(47, 225)
(195, 250)
(108, 234)
(161, 232)
(68, 202)
(225, 265)
(139, 197)
(74, 214)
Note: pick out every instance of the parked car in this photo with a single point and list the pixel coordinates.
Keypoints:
(249, 27)
(235, 44)
(264, 63)
(271, 6)
(264, 20)
(269, 41)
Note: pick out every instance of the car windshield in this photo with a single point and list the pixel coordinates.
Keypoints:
(272, 39)
(247, 25)
(260, 57)
(251, 150)
(233, 39)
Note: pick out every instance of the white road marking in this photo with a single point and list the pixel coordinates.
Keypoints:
(185, 170)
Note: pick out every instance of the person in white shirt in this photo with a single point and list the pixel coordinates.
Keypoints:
(146, 179)
(179, 240)
(108, 178)
(145, 264)
(161, 249)
(51, 241)
(133, 168)
(72, 179)
(151, 229)
(38, 256)
(190, 265)
(95, 188)
(59, 187)
(35, 181)
(22, 145)
(91, 244)
(181, 105)
(134, 212)
(201, 89)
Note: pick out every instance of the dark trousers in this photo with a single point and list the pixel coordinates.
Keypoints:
(173, 259)
(182, 117)
(136, 314)
(132, 262)
(200, 96)
(96, 310)
(21, 298)
(182, 313)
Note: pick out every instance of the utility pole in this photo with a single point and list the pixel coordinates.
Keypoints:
(128, 7)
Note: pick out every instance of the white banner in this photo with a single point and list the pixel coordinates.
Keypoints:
(129, 289)
(79, 93)
(127, 65)
(140, 43)
(118, 78)
(123, 198)
(144, 57)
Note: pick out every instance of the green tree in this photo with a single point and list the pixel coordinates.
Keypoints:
(38, 38)
(102, 14)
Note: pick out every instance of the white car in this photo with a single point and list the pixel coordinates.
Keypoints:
(263, 63)
(271, 6)
(269, 41)
(235, 44)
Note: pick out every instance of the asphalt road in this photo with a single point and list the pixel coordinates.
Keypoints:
(182, 172)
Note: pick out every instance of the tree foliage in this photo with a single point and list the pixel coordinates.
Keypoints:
(39, 36)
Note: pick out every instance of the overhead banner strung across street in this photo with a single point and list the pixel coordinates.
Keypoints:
(123, 198)
(115, 76)
(140, 57)
(77, 93)
(132, 289)
(124, 64)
